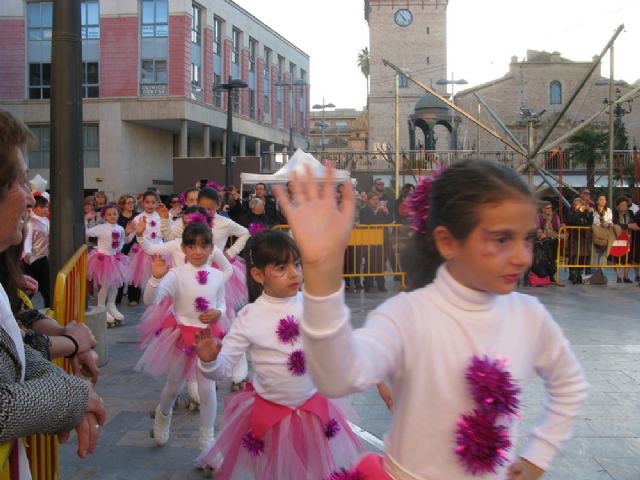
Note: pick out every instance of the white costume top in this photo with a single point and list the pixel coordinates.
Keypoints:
(108, 235)
(182, 284)
(152, 231)
(174, 248)
(608, 216)
(423, 341)
(36, 239)
(223, 228)
(256, 329)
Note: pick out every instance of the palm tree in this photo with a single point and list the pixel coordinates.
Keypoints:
(363, 64)
(587, 146)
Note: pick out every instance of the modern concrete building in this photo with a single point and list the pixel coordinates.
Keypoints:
(149, 67)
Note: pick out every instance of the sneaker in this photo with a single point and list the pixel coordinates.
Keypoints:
(627, 280)
(133, 303)
(161, 426)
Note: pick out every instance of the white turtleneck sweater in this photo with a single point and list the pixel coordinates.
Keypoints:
(255, 329)
(106, 241)
(423, 341)
(152, 231)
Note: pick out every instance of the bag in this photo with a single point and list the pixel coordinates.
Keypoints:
(600, 236)
(536, 281)
(543, 265)
(598, 278)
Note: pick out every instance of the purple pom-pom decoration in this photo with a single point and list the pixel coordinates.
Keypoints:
(419, 202)
(203, 277)
(288, 330)
(152, 223)
(256, 227)
(254, 445)
(115, 244)
(346, 475)
(135, 248)
(199, 217)
(115, 235)
(492, 386)
(187, 350)
(481, 443)
(332, 428)
(101, 256)
(154, 235)
(201, 304)
(296, 363)
(214, 185)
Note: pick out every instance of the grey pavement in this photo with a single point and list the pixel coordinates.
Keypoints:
(600, 321)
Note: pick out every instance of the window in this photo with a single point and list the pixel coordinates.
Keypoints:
(235, 47)
(195, 75)
(404, 83)
(252, 103)
(153, 77)
(39, 80)
(90, 19)
(267, 102)
(39, 155)
(91, 146)
(267, 62)
(217, 36)
(555, 93)
(40, 19)
(90, 80)
(342, 126)
(196, 24)
(253, 45)
(217, 94)
(280, 66)
(155, 18)
(236, 101)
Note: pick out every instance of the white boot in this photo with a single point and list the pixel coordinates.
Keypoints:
(111, 305)
(206, 439)
(110, 321)
(161, 426)
(192, 391)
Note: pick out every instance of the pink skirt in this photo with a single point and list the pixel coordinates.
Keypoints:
(139, 269)
(168, 346)
(301, 445)
(107, 270)
(235, 291)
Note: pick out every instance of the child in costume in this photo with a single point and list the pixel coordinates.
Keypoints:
(186, 300)
(282, 428)
(36, 247)
(459, 347)
(139, 269)
(106, 264)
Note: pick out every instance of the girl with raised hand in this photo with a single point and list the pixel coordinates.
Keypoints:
(460, 346)
(282, 428)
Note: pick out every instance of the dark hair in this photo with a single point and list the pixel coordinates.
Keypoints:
(13, 135)
(209, 193)
(269, 247)
(109, 205)
(11, 275)
(622, 199)
(457, 196)
(149, 193)
(193, 231)
(41, 201)
(188, 191)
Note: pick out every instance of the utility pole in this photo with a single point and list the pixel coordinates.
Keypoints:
(397, 156)
(611, 126)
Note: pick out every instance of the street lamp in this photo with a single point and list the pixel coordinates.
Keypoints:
(323, 124)
(453, 83)
(231, 87)
(291, 84)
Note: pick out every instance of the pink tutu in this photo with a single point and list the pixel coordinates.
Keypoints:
(168, 346)
(235, 291)
(139, 269)
(107, 270)
(263, 440)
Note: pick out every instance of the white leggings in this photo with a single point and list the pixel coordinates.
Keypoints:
(106, 295)
(206, 391)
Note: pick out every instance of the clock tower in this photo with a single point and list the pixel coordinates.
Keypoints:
(412, 34)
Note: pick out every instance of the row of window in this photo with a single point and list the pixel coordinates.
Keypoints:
(40, 156)
(40, 20)
(40, 80)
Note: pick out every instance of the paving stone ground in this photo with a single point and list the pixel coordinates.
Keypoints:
(601, 322)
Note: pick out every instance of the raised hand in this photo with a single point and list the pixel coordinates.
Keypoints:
(207, 347)
(159, 266)
(320, 227)
(141, 226)
(162, 210)
(130, 228)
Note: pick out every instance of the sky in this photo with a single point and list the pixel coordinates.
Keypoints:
(482, 37)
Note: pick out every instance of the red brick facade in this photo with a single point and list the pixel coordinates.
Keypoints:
(207, 66)
(260, 89)
(119, 57)
(274, 96)
(286, 107)
(179, 55)
(12, 59)
(226, 67)
(244, 75)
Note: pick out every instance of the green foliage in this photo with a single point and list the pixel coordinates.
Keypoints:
(587, 147)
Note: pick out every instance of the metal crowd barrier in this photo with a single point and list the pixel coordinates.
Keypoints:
(373, 251)
(577, 250)
(69, 304)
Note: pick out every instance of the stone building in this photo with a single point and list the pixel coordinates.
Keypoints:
(345, 129)
(149, 67)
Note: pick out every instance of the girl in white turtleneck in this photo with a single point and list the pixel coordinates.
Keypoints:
(106, 265)
(458, 348)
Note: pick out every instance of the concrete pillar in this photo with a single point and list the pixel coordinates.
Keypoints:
(224, 143)
(184, 138)
(96, 319)
(258, 148)
(272, 155)
(217, 149)
(206, 141)
(243, 146)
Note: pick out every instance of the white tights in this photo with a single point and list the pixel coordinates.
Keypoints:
(107, 295)
(206, 392)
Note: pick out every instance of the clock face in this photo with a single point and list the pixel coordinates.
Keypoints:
(403, 17)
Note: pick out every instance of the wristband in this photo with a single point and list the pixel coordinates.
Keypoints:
(75, 345)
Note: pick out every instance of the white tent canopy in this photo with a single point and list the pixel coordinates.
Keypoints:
(297, 164)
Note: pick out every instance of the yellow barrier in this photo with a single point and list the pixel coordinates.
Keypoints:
(373, 251)
(69, 305)
(576, 250)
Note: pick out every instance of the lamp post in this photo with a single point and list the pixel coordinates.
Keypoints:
(231, 88)
(453, 83)
(323, 124)
(291, 84)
